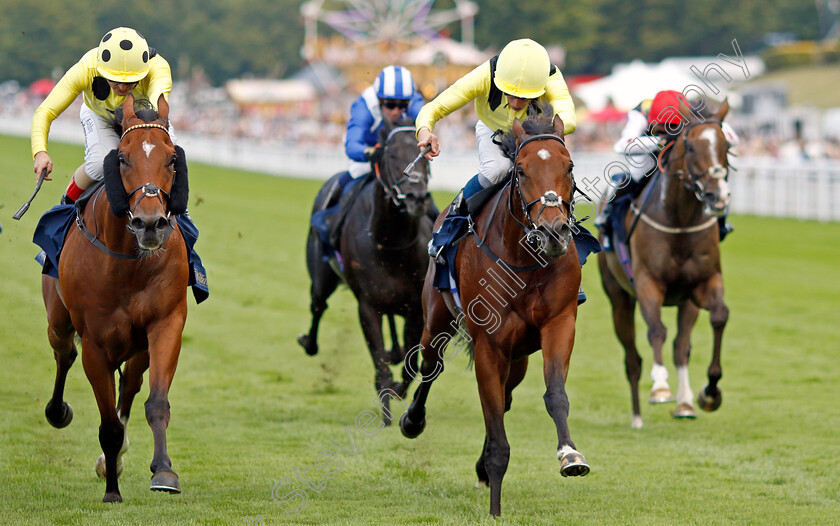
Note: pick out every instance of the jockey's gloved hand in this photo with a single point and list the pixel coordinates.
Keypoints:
(373, 154)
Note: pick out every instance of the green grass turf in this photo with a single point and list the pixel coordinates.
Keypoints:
(249, 407)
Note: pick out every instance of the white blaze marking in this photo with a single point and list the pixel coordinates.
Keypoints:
(544, 155)
(148, 148)
(710, 135)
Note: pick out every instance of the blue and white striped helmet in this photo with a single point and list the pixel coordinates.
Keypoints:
(394, 82)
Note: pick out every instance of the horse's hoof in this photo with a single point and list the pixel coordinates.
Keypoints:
(637, 422)
(709, 402)
(661, 395)
(411, 429)
(573, 465)
(684, 410)
(62, 419)
(101, 472)
(165, 481)
(303, 340)
(112, 497)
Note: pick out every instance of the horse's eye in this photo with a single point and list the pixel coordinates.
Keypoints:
(689, 147)
(520, 172)
(121, 157)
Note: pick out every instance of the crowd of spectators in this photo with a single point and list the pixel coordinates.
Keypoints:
(208, 111)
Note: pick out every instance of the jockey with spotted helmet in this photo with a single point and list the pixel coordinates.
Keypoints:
(641, 142)
(509, 86)
(392, 96)
(123, 63)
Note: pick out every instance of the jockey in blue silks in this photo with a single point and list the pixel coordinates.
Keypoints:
(392, 96)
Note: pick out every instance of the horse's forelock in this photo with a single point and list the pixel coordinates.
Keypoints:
(144, 111)
(537, 123)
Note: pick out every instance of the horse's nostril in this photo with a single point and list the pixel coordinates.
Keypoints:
(161, 223)
(137, 224)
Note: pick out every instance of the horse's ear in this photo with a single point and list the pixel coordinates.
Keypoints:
(114, 189)
(558, 125)
(720, 114)
(685, 111)
(179, 194)
(128, 109)
(162, 107)
(517, 129)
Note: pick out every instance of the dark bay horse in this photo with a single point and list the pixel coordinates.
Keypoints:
(383, 249)
(122, 287)
(518, 284)
(675, 261)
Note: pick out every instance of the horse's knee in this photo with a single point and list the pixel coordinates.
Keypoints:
(157, 409)
(719, 316)
(496, 457)
(556, 401)
(111, 437)
(657, 333)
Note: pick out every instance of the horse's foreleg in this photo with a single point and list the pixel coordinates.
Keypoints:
(517, 373)
(558, 339)
(651, 296)
(130, 382)
(324, 283)
(164, 348)
(413, 332)
(710, 397)
(396, 354)
(624, 314)
(686, 317)
(371, 322)
(491, 372)
(111, 431)
(432, 348)
(60, 332)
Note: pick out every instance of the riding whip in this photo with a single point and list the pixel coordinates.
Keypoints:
(25, 205)
(410, 167)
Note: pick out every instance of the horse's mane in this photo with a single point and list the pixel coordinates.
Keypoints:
(540, 120)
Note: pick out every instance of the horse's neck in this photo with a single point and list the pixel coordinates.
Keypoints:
(678, 204)
(388, 222)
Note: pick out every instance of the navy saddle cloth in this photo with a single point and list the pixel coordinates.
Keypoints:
(55, 223)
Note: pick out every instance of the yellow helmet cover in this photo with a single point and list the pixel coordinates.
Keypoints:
(123, 56)
(522, 69)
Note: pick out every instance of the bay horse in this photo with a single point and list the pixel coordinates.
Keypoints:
(538, 310)
(122, 288)
(384, 255)
(675, 261)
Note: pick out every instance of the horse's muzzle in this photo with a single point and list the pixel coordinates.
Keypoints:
(151, 232)
(552, 240)
(418, 205)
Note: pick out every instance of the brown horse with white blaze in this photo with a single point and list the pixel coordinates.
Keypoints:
(122, 286)
(534, 270)
(675, 261)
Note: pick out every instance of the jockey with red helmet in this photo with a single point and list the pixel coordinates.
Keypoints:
(641, 140)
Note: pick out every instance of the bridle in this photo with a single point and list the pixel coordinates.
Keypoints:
(549, 199)
(149, 189)
(393, 190)
(694, 181)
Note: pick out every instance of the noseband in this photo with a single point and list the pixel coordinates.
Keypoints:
(548, 199)
(393, 191)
